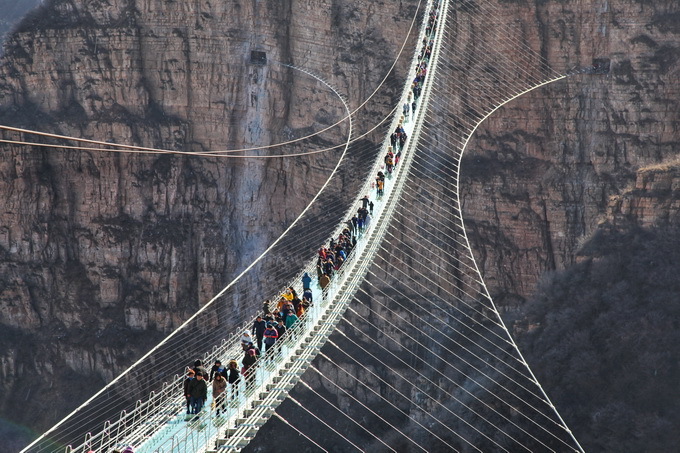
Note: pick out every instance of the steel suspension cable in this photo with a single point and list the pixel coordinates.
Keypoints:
(458, 385)
(344, 414)
(300, 432)
(349, 113)
(359, 381)
(324, 423)
(330, 381)
(426, 321)
(470, 378)
(413, 403)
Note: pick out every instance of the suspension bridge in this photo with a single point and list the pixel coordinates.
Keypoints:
(404, 349)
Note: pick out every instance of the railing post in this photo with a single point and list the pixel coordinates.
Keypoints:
(88, 440)
(121, 425)
(105, 433)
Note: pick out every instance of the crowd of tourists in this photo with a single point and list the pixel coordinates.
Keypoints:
(273, 324)
(277, 319)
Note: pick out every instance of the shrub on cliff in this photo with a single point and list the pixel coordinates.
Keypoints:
(606, 341)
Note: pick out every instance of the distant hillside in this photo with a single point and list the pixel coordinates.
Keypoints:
(603, 338)
(12, 11)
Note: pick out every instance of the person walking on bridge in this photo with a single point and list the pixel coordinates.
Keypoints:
(291, 319)
(280, 328)
(389, 160)
(191, 375)
(364, 202)
(217, 368)
(233, 377)
(198, 393)
(248, 369)
(308, 297)
(306, 282)
(246, 340)
(219, 386)
(200, 369)
(270, 336)
(258, 329)
(380, 185)
(266, 307)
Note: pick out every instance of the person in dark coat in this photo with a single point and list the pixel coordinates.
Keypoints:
(271, 335)
(233, 377)
(248, 370)
(198, 393)
(217, 368)
(266, 307)
(191, 375)
(200, 369)
(258, 329)
(364, 202)
(308, 295)
(280, 328)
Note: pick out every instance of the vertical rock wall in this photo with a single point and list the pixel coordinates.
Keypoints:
(103, 254)
(540, 172)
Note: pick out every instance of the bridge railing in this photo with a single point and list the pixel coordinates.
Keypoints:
(141, 425)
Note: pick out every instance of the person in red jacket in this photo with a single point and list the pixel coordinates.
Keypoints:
(270, 336)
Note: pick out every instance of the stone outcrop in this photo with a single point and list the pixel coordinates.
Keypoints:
(653, 201)
(12, 11)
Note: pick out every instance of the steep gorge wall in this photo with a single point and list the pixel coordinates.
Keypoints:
(538, 178)
(540, 172)
(653, 201)
(103, 254)
(133, 255)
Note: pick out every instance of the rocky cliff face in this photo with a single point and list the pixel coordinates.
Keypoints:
(555, 166)
(539, 177)
(103, 254)
(653, 200)
(541, 171)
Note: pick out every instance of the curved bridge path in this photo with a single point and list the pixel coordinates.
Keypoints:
(433, 367)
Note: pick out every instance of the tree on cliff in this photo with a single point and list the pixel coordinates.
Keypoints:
(605, 341)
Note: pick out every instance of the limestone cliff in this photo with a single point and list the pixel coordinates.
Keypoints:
(654, 200)
(537, 180)
(12, 12)
(541, 171)
(103, 254)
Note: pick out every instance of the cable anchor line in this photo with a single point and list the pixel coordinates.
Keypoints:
(274, 379)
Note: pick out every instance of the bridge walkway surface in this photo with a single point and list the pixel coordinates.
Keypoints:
(161, 425)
